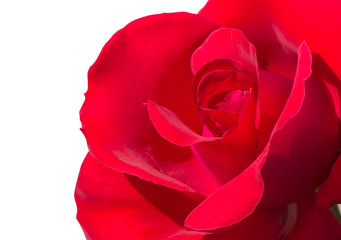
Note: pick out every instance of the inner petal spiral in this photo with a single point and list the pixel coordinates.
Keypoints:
(232, 101)
(221, 94)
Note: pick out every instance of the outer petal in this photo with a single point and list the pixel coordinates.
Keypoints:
(273, 23)
(314, 223)
(147, 60)
(231, 203)
(330, 191)
(253, 19)
(112, 205)
(316, 22)
(302, 150)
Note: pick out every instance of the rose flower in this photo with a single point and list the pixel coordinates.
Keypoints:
(220, 125)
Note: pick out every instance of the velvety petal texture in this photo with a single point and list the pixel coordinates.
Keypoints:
(112, 205)
(231, 203)
(314, 223)
(273, 93)
(130, 71)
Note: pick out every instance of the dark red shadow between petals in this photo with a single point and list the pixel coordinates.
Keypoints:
(329, 192)
(314, 223)
(302, 150)
(263, 224)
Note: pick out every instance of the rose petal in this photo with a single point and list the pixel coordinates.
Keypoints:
(227, 158)
(314, 223)
(278, 27)
(270, 23)
(324, 73)
(264, 224)
(220, 122)
(230, 48)
(330, 191)
(186, 235)
(112, 205)
(172, 128)
(212, 80)
(231, 203)
(256, 21)
(226, 43)
(130, 71)
(316, 23)
(273, 93)
(219, 82)
(304, 140)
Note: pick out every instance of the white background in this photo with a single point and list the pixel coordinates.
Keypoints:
(46, 49)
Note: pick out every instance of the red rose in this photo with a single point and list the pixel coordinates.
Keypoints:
(223, 129)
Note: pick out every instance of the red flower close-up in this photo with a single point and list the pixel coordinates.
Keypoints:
(221, 125)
